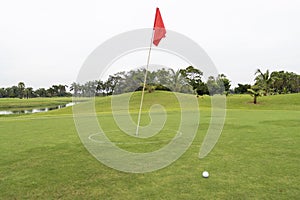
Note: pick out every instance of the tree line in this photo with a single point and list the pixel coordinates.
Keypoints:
(21, 91)
(277, 82)
(187, 80)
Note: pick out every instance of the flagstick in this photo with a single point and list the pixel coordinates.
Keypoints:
(144, 85)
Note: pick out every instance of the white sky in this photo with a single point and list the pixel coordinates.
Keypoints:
(45, 42)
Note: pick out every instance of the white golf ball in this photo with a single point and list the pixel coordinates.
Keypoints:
(205, 174)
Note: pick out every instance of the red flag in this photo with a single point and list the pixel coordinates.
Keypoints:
(159, 28)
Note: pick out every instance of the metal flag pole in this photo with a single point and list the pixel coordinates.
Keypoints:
(144, 85)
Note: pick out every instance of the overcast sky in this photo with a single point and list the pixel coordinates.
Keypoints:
(45, 42)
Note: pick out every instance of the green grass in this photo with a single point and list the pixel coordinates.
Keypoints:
(256, 157)
(16, 103)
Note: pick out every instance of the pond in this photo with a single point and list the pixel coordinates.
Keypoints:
(34, 110)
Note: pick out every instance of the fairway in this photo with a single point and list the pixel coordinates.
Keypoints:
(256, 157)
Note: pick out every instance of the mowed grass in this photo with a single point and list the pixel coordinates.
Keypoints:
(17, 104)
(256, 157)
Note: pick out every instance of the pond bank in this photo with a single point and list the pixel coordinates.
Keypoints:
(35, 110)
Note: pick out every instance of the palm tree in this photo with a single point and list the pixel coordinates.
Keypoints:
(55, 90)
(263, 80)
(62, 90)
(28, 92)
(21, 87)
(255, 91)
(50, 92)
(74, 87)
(177, 82)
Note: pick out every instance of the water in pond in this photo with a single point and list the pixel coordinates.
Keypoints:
(10, 112)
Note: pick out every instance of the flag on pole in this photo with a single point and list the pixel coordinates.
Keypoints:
(159, 28)
(159, 32)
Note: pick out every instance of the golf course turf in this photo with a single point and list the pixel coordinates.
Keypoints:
(256, 157)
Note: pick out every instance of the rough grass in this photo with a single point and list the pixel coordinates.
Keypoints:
(256, 157)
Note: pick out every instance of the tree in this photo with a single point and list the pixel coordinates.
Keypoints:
(50, 92)
(174, 81)
(242, 88)
(193, 77)
(164, 76)
(41, 92)
(89, 88)
(255, 92)
(62, 90)
(263, 80)
(224, 83)
(3, 93)
(99, 87)
(213, 86)
(293, 85)
(28, 92)
(130, 81)
(218, 85)
(75, 87)
(202, 89)
(21, 87)
(12, 92)
(112, 82)
(55, 90)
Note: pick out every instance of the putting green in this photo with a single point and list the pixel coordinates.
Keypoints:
(256, 157)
